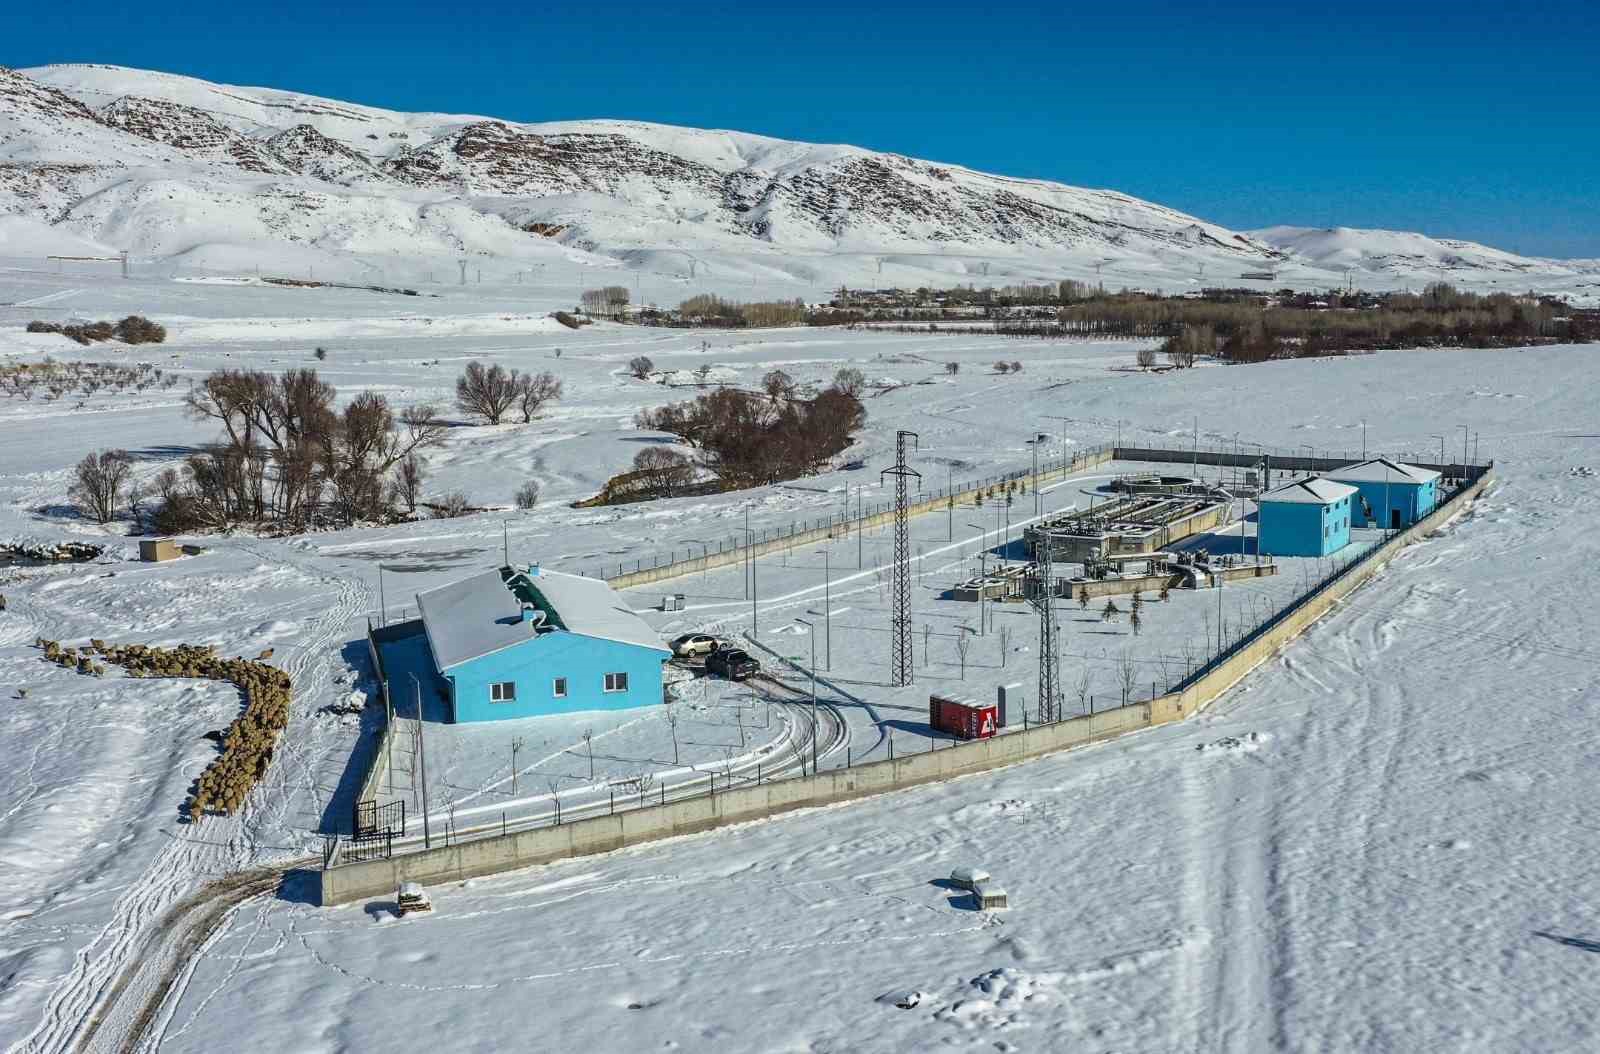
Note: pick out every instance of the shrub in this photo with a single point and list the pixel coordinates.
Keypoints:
(1145, 357)
(321, 354)
(451, 505)
(1002, 367)
(528, 494)
(952, 368)
(849, 381)
(136, 329)
(570, 320)
(640, 366)
(1016, 367)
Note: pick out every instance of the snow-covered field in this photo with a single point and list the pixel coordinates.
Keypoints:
(1381, 845)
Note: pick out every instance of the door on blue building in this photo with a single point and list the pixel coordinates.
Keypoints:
(1394, 519)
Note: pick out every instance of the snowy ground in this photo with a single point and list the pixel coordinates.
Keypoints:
(1394, 862)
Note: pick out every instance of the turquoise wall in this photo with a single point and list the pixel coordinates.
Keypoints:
(1289, 528)
(534, 664)
(1412, 500)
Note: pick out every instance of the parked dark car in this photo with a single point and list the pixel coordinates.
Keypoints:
(732, 663)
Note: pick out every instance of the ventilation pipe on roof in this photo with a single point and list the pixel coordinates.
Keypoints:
(533, 570)
(533, 615)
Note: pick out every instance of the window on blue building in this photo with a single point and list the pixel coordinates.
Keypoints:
(503, 692)
(616, 682)
(561, 688)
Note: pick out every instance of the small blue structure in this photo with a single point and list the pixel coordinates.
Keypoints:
(1393, 494)
(525, 643)
(1310, 517)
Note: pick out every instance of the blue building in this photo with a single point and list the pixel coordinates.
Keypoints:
(1310, 517)
(1393, 494)
(527, 642)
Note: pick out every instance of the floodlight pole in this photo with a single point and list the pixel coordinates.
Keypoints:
(422, 763)
(812, 633)
(982, 569)
(827, 609)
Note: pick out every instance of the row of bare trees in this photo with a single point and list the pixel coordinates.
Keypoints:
(492, 392)
(288, 457)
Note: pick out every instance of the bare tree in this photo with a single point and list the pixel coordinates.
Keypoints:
(952, 368)
(99, 481)
(963, 644)
(778, 385)
(527, 495)
(1005, 643)
(661, 471)
(641, 367)
(487, 391)
(588, 742)
(534, 390)
(1110, 613)
(517, 743)
(1083, 689)
(408, 481)
(1127, 672)
(1145, 357)
(672, 723)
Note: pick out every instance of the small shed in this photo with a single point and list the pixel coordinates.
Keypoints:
(968, 878)
(155, 550)
(990, 897)
(1310, 517)
(1393, 493)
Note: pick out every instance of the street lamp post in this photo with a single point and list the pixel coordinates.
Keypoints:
(812, 633)
(827, 610)
(982, 575)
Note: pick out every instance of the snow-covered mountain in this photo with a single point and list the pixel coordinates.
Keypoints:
(171, 166)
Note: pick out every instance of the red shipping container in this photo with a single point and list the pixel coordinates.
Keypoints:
(966, 720)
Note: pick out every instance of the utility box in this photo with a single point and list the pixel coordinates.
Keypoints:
(962, 718)
(158, 549)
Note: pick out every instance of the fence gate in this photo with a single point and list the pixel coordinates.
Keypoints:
(371, 818)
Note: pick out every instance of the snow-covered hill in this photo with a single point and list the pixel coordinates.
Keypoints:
(1407, 253)
(171, 166)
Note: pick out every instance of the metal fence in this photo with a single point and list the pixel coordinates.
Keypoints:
(1305, 458)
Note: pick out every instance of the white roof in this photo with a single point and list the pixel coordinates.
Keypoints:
(1380, 469)
(480, 615)
(1313, 491)
(591, 607)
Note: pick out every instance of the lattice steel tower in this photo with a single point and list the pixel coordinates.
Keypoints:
(900, 623)
(1039, 595)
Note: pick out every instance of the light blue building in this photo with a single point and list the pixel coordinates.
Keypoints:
(1310, 517)
(527, 642)
(1393, 494)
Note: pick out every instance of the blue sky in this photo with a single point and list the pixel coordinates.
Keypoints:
(1460, 120)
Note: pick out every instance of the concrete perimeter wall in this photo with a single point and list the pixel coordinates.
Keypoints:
(344, 883)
